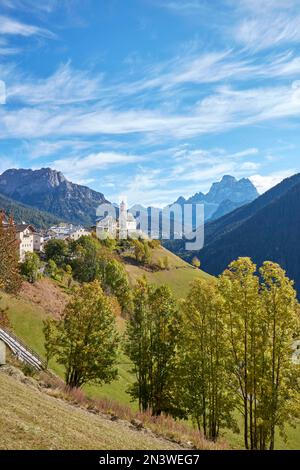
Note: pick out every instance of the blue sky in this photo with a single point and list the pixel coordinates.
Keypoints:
(151, 98)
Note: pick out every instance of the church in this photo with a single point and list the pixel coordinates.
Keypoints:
(122, 226)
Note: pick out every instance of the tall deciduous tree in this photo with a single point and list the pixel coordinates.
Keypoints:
(85, 340)
(152, 332)
(203, 381)
(279, 400)
(240, 290)
(116, 281)
(261, 319)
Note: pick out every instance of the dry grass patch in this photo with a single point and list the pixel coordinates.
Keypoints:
(31, 419)
(161, 426)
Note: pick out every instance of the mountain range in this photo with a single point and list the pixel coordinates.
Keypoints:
(48, 190)
(266, 229)
(223, 196)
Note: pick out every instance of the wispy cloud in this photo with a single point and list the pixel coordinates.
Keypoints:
(79, 167)
(260, 34)
(226, 109)
(65, 86)
(267, 24)
(30, 5)
(10, 26)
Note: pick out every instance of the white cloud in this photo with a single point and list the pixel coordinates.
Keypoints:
(249, 166)
(9, 26)
(261, 34)
(80, 167)
(267, 24)
(209, 68)
(66, 85)
(226, 109)
(29, 5)
(263, 183)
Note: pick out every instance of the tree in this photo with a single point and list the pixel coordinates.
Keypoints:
(203, 385)
(4, 321)
(196, 262)
(139, 251)
(116, 281)
(154, 243)
(85, 340)
(166, 263)
(9, 257)
(239, 287)
(57, 250)
(30, 268)
(110, 243)
(49, 328)
(279, 390)
(68, 269)
(88, 259)
(261, 319)
(92, 260)
(69, 272)
(147, 254)
(151, 341)
(52, 269)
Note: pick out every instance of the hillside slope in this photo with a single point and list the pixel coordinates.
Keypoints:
(178, 276)
(23, 213)
(34, 420)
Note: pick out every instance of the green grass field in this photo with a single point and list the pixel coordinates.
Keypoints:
(179, 275)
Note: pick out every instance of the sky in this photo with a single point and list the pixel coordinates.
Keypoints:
(151, 99)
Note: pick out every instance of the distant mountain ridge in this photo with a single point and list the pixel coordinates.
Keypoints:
(230, 190)
(265, 229)
(48, 190)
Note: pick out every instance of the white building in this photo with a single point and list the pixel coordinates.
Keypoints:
(125, 225)
(29, 240)
(65, 231)
(38, 242)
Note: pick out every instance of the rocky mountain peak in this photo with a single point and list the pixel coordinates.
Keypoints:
(50, 191)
